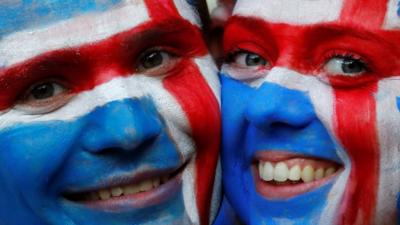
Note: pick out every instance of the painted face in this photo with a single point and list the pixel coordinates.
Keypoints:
(108, 114)
(311, 113)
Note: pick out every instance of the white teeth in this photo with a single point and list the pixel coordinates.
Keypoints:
(319, 173)
(281, 172)
(307, 174)
(146, 185)
(295, 173)
(267, 171)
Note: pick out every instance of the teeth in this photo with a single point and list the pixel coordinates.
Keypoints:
(281, 173)
(115, 192)
(267, 171)
(307, 175)
(295, 173)
(104, 194)
(131, 189)
(146, 185)
(330, 171)
(319, 173)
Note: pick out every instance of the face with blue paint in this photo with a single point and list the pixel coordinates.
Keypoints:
(310, 112)
(108, 113)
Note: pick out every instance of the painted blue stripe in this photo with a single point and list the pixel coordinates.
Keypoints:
(19, 15)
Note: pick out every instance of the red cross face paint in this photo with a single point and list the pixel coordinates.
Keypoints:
(310, 111)
(109, 114)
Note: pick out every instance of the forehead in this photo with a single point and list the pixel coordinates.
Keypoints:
(372, 14)
(28, 28)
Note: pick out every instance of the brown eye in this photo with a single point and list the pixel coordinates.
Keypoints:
(44, 97)
(156, 62)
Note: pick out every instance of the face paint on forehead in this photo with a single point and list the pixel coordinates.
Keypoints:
(75, 30)
(307, 12)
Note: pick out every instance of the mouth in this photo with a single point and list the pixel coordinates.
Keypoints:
(280, 175)
(140, 191)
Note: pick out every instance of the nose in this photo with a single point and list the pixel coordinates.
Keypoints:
(121, 125)
(275, 105)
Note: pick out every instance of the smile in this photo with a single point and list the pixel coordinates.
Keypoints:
(281, 175)
(140, 191)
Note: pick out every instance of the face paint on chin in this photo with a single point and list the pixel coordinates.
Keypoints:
(102, 129)
(307, 140)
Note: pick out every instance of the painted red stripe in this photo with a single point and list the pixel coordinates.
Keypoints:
(355, 125)
(368, 13)
(202, 110)
(161, 9)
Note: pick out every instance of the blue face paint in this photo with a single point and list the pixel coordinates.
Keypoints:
(40, 162)
(271, 117)
(19, 15)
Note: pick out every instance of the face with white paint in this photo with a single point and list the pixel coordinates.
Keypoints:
(310, 111)
(108, 115)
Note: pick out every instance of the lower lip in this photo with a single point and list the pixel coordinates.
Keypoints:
(284, 191)
(155, 196)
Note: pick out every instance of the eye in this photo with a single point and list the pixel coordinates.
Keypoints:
(346, 66)
(156, 62)
(247, 59)
(44, 97)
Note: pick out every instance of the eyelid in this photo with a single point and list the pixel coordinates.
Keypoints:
(343, 54)
(47, 105)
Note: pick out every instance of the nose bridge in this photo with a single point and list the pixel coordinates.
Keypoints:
(121, 125)
(276, 104)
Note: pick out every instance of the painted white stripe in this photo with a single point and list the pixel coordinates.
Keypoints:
(187, 12)
(189, 194)
(291, 11)
(209, 70)
(92, 27)
(388, 123)
(392, 19)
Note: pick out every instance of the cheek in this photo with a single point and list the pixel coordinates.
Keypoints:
(33, 153)
(201, 108)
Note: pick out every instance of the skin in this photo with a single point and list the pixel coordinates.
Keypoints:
(313, 89)
(92, 101)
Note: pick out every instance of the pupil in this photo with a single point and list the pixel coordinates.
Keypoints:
(43, 91)
(152, 60)
(254, 60)
(352, 66)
